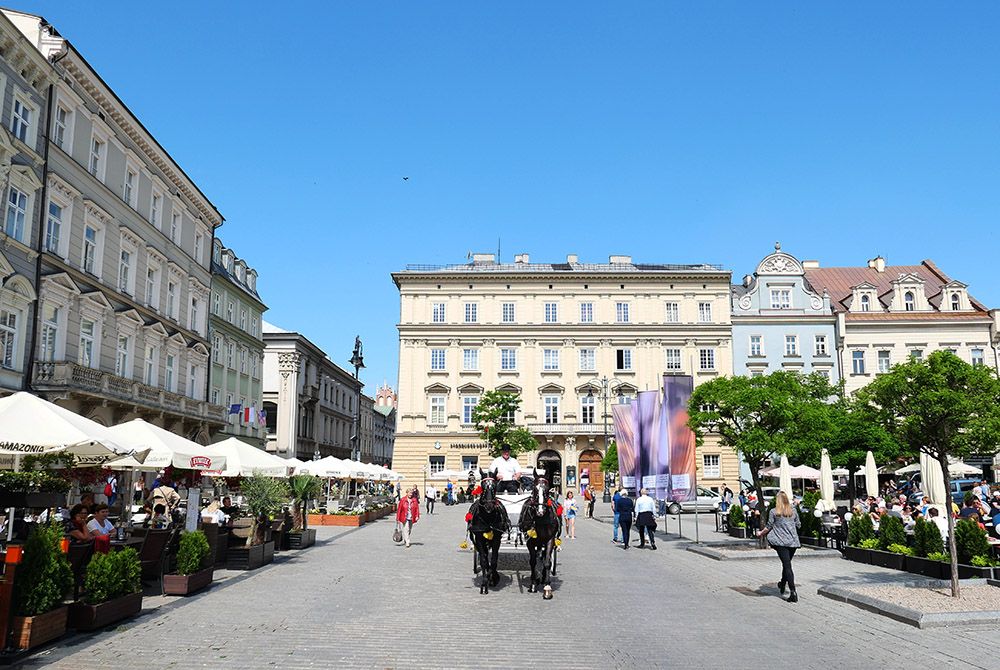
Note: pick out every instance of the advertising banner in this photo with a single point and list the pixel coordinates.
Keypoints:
(646, 418)
(625, 441)
(677, 391)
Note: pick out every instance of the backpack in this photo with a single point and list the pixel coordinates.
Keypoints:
(107, 489)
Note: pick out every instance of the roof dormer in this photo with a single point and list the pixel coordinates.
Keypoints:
(955, 297)
(864, 298)
(908, 295)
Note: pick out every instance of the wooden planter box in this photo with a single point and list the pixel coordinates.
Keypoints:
(92, 617)
(33, 631)
(249, 558)
(927, 567)
(887, 559)
(185, 585)
(974, 572)
(335, 519)
(742, 533)
(812, 541)
(857, 554)
(303, 539)
(32, 500)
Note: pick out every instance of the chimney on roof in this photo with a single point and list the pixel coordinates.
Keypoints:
(747, 280)
(572, 258)
(620, 260)
(877, 264)
(483, 259)
(810, 265)
(520, 259)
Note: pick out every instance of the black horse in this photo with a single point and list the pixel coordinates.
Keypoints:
(488, 521)
(541, 524)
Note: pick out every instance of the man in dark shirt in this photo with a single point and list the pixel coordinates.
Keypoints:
(625, 507)
(969, 509)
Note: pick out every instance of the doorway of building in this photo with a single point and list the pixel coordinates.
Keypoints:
(590, 461)
(551, 462)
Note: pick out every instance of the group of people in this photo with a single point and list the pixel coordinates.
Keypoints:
(981, 504)
(641, 511)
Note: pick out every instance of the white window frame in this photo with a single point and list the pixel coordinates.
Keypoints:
(550, 404)
(977, 356)
(123, 356)
(199, 247)
(50, 341)
(438, 359)
(469, 403)
(170, 371)
(130, 190)
(588, 409)
(883, 360)
(551, 312)
(437, 312)
(20, 211)
(508, 359)
(588, 359)
(172, 299)
(956, 302)
(61, 246)
(819, 345)
(706, 359)
(791, 345)
(866, 302)
(21, 123)
(623, 359)
(622, 312)
(156, 205)
(550, 360)
(194, 314)
(858, 362)
(704, 312)
(472, 312)
(756, 345)
(193, 381)
(128, 257)
(10, 336)
(909, 301)
(437, 413)
(97, 154)
(153, 287)
(672, 358)
(231, 355)
(470, 360)
(507, 312)
(88, 351)
(92, 251)
(781, 298)
(672, 311)
(586, 312)
(711, 466)
(62, 131)
(176, 225)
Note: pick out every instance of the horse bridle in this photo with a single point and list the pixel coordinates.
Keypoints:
(541, 503)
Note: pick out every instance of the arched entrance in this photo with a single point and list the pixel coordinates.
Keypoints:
(551, 461)
(590, 461)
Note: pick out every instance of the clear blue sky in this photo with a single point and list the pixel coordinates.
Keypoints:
(676, 132)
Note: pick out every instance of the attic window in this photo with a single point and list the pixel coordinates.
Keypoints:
(956, 302)
(866, 303)
(908, 301)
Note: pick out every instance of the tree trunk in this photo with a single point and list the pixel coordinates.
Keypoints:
(952, 546)
(851, 486)
(298, 516)
(761, 507)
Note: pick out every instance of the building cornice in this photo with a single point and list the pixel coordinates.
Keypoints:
(645, 276)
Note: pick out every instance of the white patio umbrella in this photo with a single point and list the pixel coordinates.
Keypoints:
(449, 474)
(826, 489)
(329, 467)
(932, 479)
(871, 475)
(244, 460)
(785, 477)
(165, 448)
(955, 468)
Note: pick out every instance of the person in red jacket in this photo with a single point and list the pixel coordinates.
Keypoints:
(408, 513)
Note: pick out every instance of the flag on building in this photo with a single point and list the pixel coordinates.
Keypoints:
(262, 417)
(249, 414)
(235, 409)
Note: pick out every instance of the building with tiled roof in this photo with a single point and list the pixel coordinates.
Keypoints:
(887, 313)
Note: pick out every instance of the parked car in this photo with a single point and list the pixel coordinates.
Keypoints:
(707, 501)
(959, 487)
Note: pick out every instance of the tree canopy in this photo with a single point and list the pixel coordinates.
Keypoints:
(494, 418)
(854, 431)
(610, 461)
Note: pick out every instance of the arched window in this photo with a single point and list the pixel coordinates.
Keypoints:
(866, 303)
(956, 302)
(908, 301)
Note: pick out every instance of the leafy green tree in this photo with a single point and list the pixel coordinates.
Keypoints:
(859, 529)
(44, 575)
(779, 413)
(263, 496)
(610, 461)
(943, 407)
(971, 541)
(890, 531)
(302, 488)
(854, 431)
(494, 416)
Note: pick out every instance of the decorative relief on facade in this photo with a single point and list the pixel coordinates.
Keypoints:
(815, 302)
(489, 343)
(746, 302)
(288, 363)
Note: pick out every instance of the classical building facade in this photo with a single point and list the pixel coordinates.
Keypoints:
(385, 424)
(781, 323)
(310, 402)
(123, 287)
(886, 314)
(551, 332)
(234, 323)
(25, 76)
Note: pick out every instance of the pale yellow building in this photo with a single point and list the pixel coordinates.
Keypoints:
(560, 334)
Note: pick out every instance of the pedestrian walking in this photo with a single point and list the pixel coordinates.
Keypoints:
(614, 510)
(408, 513)
(111, 488)
(589, 496)
(570, 509)
(626, 508)
(430, 493)
(727, 500)
(782, 532)
(449, 500)
(645, 510)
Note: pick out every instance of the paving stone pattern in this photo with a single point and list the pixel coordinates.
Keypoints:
(355, 600)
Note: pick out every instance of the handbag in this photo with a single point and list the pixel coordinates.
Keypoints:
(397, 535)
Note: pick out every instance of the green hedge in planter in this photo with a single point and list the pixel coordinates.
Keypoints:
(44, 575)
(810, 524)
(926, 538)
(111, 576)
(970, 540)
(859, 529)
(901, 549)
(870, 543)
(736, 517)
(192, 552)
(890, 532)
(37, 481)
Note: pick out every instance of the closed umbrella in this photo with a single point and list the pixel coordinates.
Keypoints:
(932, 478)
(871, 475)
(785, 477)
(826, 483)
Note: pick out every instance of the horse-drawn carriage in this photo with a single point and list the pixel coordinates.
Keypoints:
(510, 521)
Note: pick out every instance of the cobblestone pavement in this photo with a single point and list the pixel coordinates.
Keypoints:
(357, 601)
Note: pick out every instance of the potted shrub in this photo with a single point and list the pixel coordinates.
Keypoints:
(194, 567)
(973, 550)
(737, 522)
(35, 489)
(263, 497)
(810, 524)
(112, 590)
(926, 541)
(40, 581)
(860, 529)
(890, 532)
(303, 489)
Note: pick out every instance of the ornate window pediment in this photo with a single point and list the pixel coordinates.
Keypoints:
(470, 388)
(550, 389)
(509, 388)
(437, 388)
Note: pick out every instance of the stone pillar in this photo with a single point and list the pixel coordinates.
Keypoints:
(288, 405)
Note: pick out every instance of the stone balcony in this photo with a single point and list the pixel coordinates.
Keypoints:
(72, 377)
(568, 428)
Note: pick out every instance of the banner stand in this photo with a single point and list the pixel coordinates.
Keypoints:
(697, 538)
(680, 533)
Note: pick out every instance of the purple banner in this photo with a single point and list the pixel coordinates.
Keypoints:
(625, 442)
(677, 391)
(646, 417)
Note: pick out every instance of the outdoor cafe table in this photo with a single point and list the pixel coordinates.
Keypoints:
(132, 541)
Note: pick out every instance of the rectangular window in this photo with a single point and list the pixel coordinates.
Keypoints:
(820, 345)
(437, 359)
(193, 382)
(8, 339)
(216, 349)
(243, 361)
(60, 126)
(153, 287)
(175, 227)
(508, 359)
(471, 312)
(588, 360)
(711, 468)
(587, 404)
(194, 318)
(124, 271)
(128, 191)
(756, 345)
(791, 345)
(17, 210)
(551, 409)
(469, 403)
(470, 463)
(824, 373)
(884, 362)
(704, 312)
(621, 312)
(20, 121)
(253, 366)
(437, 312)
(781, 298)
(169, 377)
(86, 356)
(243, 319)
(550, 359)
(231, 356)
(437, 414)
(155, 208)
(436, 463)
(858, 362)
(470, 359)
(706, 359)
(90, 249)
(96, 163)
(673, 361)
(623, 359)
(199, 242)
(231, 312)
(917, 354)
(673, 312)
(977, 357)
(508, 312)
(551, 312)
(172, 300)
(586, 312)
(216, 303)
(50, 332)
(53, 228)
(122, 367)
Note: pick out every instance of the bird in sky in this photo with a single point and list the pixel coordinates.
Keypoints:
(406, 179)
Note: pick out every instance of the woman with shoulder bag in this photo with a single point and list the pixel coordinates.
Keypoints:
(407, 514)
(782, 532)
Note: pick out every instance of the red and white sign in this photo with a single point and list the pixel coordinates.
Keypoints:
(200, 462)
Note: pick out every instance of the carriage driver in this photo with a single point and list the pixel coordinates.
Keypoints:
(507, 470)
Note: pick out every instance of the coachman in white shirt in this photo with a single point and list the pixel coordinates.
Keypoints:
(508, 471)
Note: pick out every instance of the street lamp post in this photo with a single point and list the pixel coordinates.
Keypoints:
(358, 362)
(607, 386)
